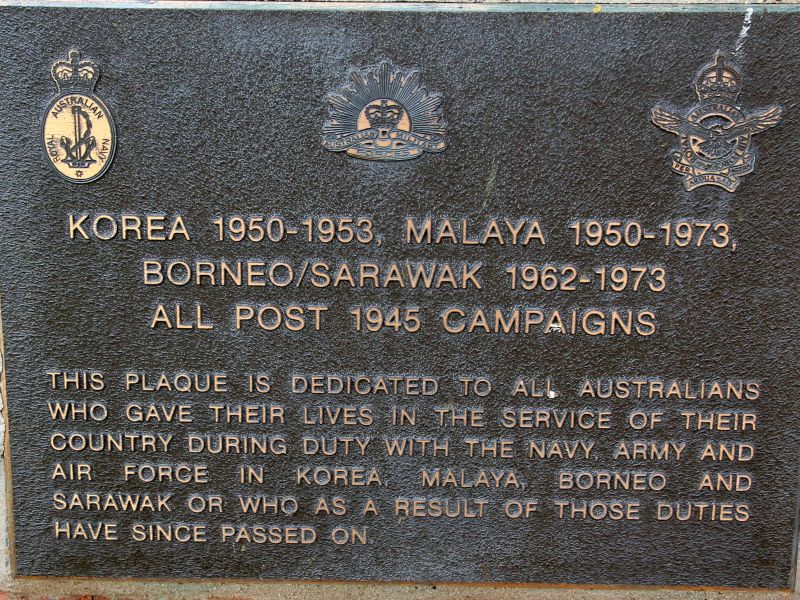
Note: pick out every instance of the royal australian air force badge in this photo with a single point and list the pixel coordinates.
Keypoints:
(715, 134)
(78, 131)
(384, 113)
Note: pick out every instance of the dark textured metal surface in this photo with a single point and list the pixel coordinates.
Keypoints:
(548, 117)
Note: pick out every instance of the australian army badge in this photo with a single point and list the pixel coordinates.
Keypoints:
(78, 131)
(715, 134)
(384, 113)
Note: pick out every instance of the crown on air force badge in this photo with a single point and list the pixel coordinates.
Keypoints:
(715, 134)
(78, 131)
(384, 113)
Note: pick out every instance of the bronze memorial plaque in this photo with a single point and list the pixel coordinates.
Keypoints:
(505, 293)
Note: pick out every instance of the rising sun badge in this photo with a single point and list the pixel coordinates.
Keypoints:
(715, 134)
(384, 113)
(78, 131)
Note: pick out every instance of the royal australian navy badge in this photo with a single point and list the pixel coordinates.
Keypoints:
(715, 134)
(78, 131)
(384, 113)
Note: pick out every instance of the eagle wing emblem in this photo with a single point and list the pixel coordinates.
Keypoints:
(754, 123)
(715, 133)
(677, 124)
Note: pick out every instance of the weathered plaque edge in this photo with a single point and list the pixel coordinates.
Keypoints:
(347, 6)
(8, 472)
(391, 582)
(772, 6)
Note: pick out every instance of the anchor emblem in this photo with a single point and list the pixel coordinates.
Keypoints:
(78, 131)
(79, 154)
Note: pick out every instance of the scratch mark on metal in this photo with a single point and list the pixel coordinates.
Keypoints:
(748, 17)
(489, 188)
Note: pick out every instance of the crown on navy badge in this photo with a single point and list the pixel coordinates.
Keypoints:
(74, 74)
